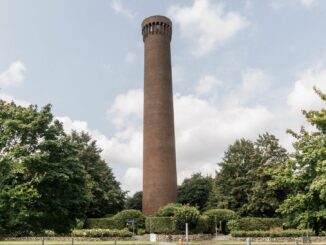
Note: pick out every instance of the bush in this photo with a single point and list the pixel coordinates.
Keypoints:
(185, 214)
(102, 233)
(118, 221)
(160, 225)
(124, 216)
(202, 226)
(168, 210)
(255, 224)
(273, 233)
(102, 223)
(219, 218)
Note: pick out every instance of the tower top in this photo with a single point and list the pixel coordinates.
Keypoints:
(157, 24)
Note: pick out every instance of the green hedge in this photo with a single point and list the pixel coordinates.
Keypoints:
(101, 233)
(168, 210)
(219, 218)
(273, 233)
(118, 221)
(202, 226)
(101, 223)
(254, 224)
(160, 225)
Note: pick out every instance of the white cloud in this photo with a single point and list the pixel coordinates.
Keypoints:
(308, 3)
(9, 98)
(207, 84)
(303, 96)
(14, 75)
(133, 179)
(130, 57)
(207, 25)
(117, 6)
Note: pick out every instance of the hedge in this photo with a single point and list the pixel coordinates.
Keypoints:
(273, 233)
(160, 225)
(168, 210)
(202, 226)
(101, 223)
(219, 217)
(118, 221)
(254, 224)
(101, 233)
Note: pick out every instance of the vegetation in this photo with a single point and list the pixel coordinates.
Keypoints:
(101, 233)
(106, 194)
(218, 218)
(273, 233)
(305, 175)
(254, 224)
(135, 202)
(42, 183)
(195, 190)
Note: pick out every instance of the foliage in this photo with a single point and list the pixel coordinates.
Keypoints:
(102, 223)
(168, 210)
(254, 224)
(305, 175)
(106, 194)
(242, 182)
(160, 225)
(118, 221)
(42, 183)
(195, 190)
(101, 233)
(218, 218)
(186, 214)
(135, 202)
(273, 233)
(202, 226)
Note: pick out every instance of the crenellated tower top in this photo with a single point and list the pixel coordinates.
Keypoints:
(157, 25)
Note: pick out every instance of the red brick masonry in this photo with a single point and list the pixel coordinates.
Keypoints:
(159, 162)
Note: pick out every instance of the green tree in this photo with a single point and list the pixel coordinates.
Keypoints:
(42, 183)
(233, 183)
(242, 182)
(135, 202)
(195, 190)
(305, 174)
(264, 199)
(106, 194)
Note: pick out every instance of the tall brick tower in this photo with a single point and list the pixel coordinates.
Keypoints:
(159, 163)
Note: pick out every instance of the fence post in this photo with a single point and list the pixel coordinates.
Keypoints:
(42, 240)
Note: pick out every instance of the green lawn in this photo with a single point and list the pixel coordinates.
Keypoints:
(50, 242)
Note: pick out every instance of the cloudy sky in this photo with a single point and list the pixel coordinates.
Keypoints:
(240, 68)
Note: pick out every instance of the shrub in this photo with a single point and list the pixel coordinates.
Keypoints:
(102, 223)
(273, 233)
(202, 225)
(255, 224)
(118, 221)
(219, 218)
(160, 225)
(185, 214)
(101, 233)
(124, 216)
(168, 210)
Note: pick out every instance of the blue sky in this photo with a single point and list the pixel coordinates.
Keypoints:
(240, 68)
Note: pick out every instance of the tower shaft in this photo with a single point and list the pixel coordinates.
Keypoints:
(159, 160)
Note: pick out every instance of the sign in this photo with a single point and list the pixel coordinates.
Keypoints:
(152, 237)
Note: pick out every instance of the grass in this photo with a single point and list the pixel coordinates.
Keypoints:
(69, 242)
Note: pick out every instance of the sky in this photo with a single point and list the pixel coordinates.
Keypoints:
(240, 68)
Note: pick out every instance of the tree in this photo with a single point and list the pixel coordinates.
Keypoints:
(106, 194)
(232, 184)
(242, 184)
(42, 183)
(195, 190)
(305, 174)
(264, 199)
(135, 202)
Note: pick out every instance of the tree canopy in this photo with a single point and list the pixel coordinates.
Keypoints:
(305, 174)
(195, 190)
(42, 183)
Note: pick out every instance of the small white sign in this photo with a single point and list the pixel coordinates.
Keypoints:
(152, 237)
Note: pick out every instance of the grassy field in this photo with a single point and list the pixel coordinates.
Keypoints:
(212, 242)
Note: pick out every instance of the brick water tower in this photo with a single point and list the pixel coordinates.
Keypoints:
(159, 161)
